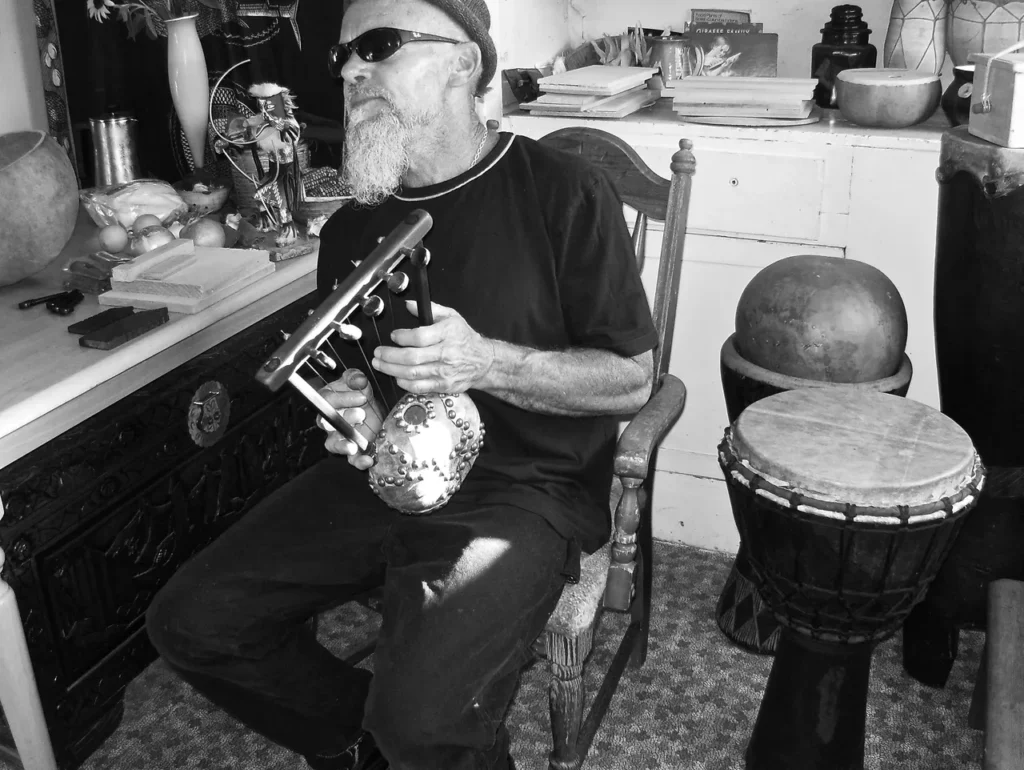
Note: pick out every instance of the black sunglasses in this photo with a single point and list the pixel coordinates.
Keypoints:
(376, 45)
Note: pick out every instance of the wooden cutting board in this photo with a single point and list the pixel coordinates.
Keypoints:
(214, 274)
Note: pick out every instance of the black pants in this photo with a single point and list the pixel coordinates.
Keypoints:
(466, 590)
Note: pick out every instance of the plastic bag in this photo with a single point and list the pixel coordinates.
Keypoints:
(124, 203)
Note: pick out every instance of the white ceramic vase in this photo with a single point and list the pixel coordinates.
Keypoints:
(983, 26)
(189, 81)
(916, 37)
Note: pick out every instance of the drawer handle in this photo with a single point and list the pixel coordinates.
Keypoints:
(208, 414)
(734, 182)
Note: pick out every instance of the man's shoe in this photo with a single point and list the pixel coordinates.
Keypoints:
(361, 755)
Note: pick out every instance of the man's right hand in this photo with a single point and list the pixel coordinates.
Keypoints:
(352, 396)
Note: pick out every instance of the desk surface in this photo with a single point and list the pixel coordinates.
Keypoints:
(832, 128)
(50, 383)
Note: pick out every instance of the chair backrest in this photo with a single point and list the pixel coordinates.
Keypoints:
(653, 197)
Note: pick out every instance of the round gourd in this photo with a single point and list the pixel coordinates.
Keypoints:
(38, 203)
(822, 318)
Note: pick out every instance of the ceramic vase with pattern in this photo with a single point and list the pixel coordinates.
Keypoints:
(982, 26)
(916, 37)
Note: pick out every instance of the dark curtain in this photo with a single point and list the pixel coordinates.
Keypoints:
(106, 71)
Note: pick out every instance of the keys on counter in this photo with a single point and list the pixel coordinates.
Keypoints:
(61, 303)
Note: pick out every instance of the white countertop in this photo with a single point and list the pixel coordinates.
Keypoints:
(832, 128)
(50, 383)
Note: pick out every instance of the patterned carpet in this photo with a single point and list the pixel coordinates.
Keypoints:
(690, 708)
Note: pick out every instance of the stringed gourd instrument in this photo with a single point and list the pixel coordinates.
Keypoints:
(428, 443)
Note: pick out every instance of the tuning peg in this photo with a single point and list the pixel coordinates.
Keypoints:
(325, 360)
(373, 306)
(398, 282)
(348, 332)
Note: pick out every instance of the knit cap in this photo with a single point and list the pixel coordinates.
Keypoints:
(475, 19)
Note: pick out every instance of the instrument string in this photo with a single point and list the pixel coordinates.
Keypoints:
(391, 309)
(370, 371)
(337, 357)
(316, 373)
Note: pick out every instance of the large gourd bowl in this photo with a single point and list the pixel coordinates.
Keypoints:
(887, 98)
(38, 203)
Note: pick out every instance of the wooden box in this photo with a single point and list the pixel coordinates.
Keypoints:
(1003, 123)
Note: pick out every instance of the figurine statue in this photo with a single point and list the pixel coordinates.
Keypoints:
(273, 132)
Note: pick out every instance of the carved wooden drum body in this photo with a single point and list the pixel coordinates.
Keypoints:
(848, 503)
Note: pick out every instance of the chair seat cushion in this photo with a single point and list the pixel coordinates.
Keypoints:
(578, 606)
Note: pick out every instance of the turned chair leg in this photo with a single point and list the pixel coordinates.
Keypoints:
(567, 656)
(1004, 676)
(18, 694)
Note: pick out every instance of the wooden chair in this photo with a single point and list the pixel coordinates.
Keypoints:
(618, 576)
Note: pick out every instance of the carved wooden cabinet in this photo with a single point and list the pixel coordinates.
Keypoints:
(96, 520)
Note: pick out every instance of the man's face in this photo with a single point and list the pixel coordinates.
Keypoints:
(387, 102)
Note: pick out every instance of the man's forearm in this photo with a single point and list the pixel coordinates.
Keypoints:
(575, 383)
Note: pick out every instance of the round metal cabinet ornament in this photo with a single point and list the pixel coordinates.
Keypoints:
(424, 450)
(208, 414)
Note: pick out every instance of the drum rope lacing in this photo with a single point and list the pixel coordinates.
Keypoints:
(784, 494)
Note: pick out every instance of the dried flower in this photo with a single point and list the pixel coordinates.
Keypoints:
(99, 9)
(141, 14)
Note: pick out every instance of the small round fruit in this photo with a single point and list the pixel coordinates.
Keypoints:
(113, 238)
(149, 239)
(144, 221)
(206, 232)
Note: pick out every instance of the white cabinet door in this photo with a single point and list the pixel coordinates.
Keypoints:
(715, 272)
(893, 216)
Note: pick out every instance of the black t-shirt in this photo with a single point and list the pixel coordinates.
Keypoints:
(531, 247)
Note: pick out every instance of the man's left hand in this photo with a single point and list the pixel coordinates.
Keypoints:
(446, 357)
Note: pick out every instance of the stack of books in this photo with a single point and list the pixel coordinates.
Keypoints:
(597, 91)
(723, 100)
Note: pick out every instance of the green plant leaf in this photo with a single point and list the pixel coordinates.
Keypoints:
(135, 24)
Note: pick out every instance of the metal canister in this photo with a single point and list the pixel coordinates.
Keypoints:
(676, 55)
(115, 152)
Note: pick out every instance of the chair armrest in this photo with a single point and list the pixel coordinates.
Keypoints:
(648, 426)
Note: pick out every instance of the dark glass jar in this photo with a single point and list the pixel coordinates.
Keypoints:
(956, 100)
(844, 45)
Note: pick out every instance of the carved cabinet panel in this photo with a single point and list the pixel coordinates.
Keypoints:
(98, 519)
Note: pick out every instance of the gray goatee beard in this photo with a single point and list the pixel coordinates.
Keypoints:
(376, 156)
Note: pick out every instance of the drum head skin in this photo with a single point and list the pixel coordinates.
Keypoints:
(862, 448)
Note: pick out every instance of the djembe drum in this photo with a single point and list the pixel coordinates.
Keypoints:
(806, 321)
(848, 503)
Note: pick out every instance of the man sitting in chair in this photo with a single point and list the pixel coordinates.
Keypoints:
(541, 317)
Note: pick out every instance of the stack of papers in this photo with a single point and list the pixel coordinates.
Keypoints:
(772, 99)
(597, 91)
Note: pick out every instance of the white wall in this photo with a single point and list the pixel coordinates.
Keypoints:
(531, 32)
(21, 90)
